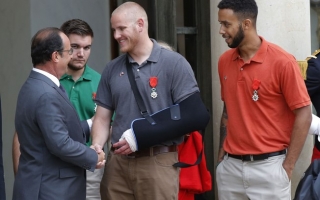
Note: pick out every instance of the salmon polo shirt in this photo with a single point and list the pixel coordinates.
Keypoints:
(264, 125)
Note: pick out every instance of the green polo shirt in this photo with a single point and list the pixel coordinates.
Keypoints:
(82, 92)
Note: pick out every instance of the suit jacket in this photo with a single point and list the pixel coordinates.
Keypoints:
(313, 86)
(53, 155)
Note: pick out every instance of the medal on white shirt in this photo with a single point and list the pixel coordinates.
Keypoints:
(153, 81)
(255, 86)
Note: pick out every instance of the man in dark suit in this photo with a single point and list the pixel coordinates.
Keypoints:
(313, 85)
(53, 155)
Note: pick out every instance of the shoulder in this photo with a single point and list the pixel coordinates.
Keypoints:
(277, 52)
(228, 54)
(115, 66)
(310, 67)
(313, 64)
(314, 58)
(171, 58)
(170, 53)
(118, 60)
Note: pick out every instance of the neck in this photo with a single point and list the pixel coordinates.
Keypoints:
(48, 68)
(250, 47)
(142, 51)
(76, 74)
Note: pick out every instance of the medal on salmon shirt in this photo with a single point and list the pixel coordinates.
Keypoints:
(255, 87)
(153, 81)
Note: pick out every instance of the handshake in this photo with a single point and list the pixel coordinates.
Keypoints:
(101, 155)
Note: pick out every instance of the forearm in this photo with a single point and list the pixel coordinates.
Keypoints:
(299, 133)
(223, 132)
(100, 130)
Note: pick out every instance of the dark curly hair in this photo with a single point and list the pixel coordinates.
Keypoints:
(76, 26)
(44, 43)
(242, 8)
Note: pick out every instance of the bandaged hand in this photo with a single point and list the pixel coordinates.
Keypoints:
(130, 138)
(315, 125)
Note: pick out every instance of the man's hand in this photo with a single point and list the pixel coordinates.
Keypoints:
(288, 169)
(100, 164)
(101, 155)
(96, 147)
(122, 147)
(221, 154)
(129, 137)
(101, 160)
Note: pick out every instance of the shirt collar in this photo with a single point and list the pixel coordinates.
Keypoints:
(50, 76)
(155, 53)
(86, 75)
(260, 54)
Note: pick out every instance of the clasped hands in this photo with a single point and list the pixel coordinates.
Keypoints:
(101, 155)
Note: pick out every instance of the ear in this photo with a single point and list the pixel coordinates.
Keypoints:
(55, 56)
(140, 23)
(247, 23)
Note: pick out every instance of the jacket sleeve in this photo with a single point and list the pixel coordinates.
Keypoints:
(86, 129)
(313, 76)
(56, 131)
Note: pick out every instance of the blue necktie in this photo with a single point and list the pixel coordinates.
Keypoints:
(63, 90)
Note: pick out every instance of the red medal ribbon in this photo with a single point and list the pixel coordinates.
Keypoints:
(94, 95)
(255, 84)
(153, 81)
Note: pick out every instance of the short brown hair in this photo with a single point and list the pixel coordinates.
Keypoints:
(76, 26)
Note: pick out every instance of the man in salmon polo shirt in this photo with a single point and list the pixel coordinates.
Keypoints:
(266, 115)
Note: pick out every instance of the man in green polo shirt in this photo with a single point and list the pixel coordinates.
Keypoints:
(81, 83)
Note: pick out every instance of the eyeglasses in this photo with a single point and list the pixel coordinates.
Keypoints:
(70, 51)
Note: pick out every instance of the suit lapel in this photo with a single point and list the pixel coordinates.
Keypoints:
(48, 81)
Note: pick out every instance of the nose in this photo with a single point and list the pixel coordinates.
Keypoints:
(221, 30)
(116, 34)
(80, 52)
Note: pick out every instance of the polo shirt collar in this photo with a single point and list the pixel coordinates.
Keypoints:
(260, 54)
(155, 53)
(86, 75)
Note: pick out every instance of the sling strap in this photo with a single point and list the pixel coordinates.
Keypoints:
(137, 94)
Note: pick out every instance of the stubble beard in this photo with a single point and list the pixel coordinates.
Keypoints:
(75, 68)
(237, 38)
